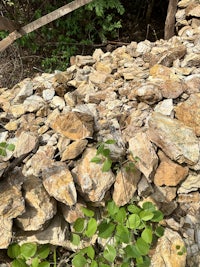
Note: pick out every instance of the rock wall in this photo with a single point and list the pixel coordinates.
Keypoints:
(146, 96)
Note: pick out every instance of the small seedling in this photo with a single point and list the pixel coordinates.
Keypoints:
(5, 146)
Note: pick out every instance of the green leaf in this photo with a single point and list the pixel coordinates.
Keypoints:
(28, 250)
(94, 264)
(109, 253)
(79, 261)
(125, 264)
(106, 152)
(107, 165)
(100, 149)
(44, 264)
(147, 235)
(112, 208)
(13, 251)
(43, 251)
(96, 160)
(90, 252)
(158, 216)
(3, 152)
(79, 225)
(142, 246)
(133, 209)
(103, 265)
(122, 234)
(3, 144)
(10, 147)
(131, 252)
(87, 212)
(110, 142)
(91, 227)
(159, 231)
(148, 206)
(106, 229)
(146, 262)
(121, 215)
(75, 239)
(19, 263)
(35, 262)
(133, 221)
(146, 215)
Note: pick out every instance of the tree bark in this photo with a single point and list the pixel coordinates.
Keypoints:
(41, 22)
(170, 19)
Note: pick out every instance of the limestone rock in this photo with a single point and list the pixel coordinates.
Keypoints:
(98, 77)
(165, 107)
(169, 173)
(191, 183)
(192, 82)
(58, 182)
(175, 139)
(25, 143)
(84, 60)
(57, 102)
(141, 147)
(125, 185)
(48, 94)
(74, 125)
(26, 90)
(33, 103)
(92, 182)
(74, 149)
(189, 112)
(40, 208)
(71, 214)
(144, 188)
(167, 251)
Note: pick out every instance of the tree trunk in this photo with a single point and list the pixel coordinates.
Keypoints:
(41, 22)
(170, 19)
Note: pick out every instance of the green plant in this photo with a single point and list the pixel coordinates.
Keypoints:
(128, 232)
(5, 146)
(29, 254)
(180, 250)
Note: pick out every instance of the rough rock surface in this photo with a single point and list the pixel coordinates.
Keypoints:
(146, 97)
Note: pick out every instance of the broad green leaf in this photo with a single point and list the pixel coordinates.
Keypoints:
(3, 144)
(131, 252)
(94, 264)
(121, 215)
(79, 261)
(13, 251)
(122, 234)
(147, 235)
(79, 225)
(133, 221)
(44, 264)
(158, 216)
(10, 147)
(107, 165)
(87, 212)
(96, 160)
(103, 265)
(106, 229)
(19, 263)
(91, 227)
(35, 262)
(148, 206)
(125, 264)
(75, 239)
(112, 208)
(100, 149)
(159, 231)
(146, 215)
(110, 142)
(28, 250)
(106, 152)
(133, 209)
(43, 251)
(146, 262)
(142, 246)
(109, 253)
(90, 252)
(3, 152)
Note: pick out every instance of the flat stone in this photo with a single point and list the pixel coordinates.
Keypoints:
(58, 182)
(98, 77)
(33, 103)
(81, 61)
(92, 182)
(74, 125)
(74, 149)
(26, 142)
(71, 214)
(192, 82)
(141, 147)
(166, 253)
(191, 183)
(144, 187)
(189, 112)
(40, 207)
(168, 172)
(125, 185)
(165, 107)
(176, 140)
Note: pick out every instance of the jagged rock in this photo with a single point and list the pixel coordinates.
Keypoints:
(144, 188)
(92, 182)
(140, 147)
(174, 138)
(71, 214)
(81, 61)
(58, 182)
(191, 59)
(74, 149)
(26, 90)
(165, 107)
(191, 183)
(193, 10)
(40, 208)
(125, 185)
(33, 103)
(74, 125)
(192, 82)
(167, 251)
(168, 172)
(48, 94)
(185, 112)
(26, 142)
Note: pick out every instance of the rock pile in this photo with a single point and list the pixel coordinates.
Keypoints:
(146, 96)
